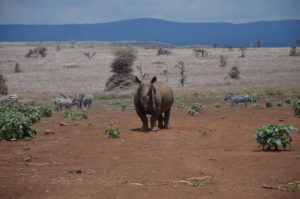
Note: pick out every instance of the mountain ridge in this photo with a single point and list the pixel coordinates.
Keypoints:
(271, 33)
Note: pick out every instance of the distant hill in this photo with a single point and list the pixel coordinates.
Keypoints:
(271, 33)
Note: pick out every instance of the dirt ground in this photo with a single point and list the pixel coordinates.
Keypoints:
(81, 162)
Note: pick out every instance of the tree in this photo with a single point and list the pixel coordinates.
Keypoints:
(122, 68)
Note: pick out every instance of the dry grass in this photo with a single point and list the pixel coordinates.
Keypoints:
(262, 69)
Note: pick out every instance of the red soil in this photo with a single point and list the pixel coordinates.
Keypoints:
(147, 165)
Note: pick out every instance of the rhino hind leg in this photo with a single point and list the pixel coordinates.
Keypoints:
(167, 118)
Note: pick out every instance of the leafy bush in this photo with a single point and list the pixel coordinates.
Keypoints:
(195, 109)
(73, 115)
(45, 111)
(293, 51)
(3, 86)
(161, 51)
(16, 120)
(288, 100)
(269, 104)
(112, 131)
(181, 106)
(15, 125)
(255, 98)
(234, 73)
(274, 136)
(296, 107)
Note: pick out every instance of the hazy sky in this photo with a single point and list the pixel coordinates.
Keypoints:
(98, 11)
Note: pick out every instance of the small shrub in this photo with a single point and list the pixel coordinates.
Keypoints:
(216, 105)
(204, 132)
(195, 109)
(269, 104)
(161, 51)
(273, 92)
(112, 132)
(288, 100)
(296, 107)
(123, 61)
(234, 73)
(223, 60)
(274, 136)
(75, 115)
(255, 98)
(181, 106)
(279, 103)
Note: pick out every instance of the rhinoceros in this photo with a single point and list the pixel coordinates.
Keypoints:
(154, 98)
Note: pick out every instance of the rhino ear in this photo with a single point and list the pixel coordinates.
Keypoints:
(153, 80)
(137, 80)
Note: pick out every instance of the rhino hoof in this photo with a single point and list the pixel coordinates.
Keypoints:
(155, 128)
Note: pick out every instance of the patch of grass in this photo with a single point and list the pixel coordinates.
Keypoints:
(216, 105)
(190, 142)
(112, 132)
(288, 100)
(181, 106)
(273, 92)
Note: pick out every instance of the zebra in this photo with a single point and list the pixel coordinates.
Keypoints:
(13, 98)
(235, 99)
(64, 102)
(87, 101)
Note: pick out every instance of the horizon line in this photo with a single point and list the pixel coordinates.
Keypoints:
(153, 18)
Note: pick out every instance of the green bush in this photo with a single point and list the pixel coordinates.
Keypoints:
(296, 107)
(73, 115)
(195, 109)
(3, 85)
(274, 136)
(279, 103)
(16, 120)
(269, 104)
(112, 131)
(181, 106)
(123, 61)
(288, 100)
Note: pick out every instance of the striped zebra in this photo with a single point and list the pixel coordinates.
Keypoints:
(61, 102)
(87, 101)
(236, 99)
(13, 98)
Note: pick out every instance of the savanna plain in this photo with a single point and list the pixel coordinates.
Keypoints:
(208, 155)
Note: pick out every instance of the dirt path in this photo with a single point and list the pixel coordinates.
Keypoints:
(152, 165)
